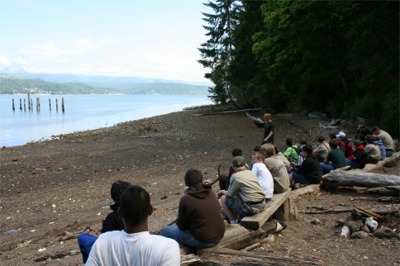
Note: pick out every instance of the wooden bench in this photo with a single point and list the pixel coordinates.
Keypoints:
(255, 222)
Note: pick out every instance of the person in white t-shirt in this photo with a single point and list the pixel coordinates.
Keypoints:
(134, 245)
(263, 174)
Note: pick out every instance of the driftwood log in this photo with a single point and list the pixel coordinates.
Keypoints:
(359, 179)
(225, 256)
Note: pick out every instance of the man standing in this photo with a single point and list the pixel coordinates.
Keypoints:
(268, 129)
(310, 170)
(244, 196)
(134, 245)
(200, 223)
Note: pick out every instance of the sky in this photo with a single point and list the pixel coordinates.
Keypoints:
(141, 38)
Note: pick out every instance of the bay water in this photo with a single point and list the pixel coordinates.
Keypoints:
(82, 112)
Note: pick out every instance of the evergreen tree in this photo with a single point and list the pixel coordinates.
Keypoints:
(217, 51)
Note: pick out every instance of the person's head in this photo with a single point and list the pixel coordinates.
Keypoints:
(239, 163)
(135, 206)
(116, 191)
(303, 142)
(257, 148)
(320, 139)
(268, 149)
(341, 135)
(236, 152)
(370, 139)
(267, 117)
(289, 142)
(333, 143)
(332, 136)
(356, 143)
(376, 130)
(193, 177)
(307, 148)
(258, 157)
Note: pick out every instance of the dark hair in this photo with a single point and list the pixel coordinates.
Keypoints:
(257, 148)
(192, 177)
(308, 148)
(332, 136)
(320, 139)
(303, 142)
(370, 138)
(333, 143)
(357, 143)
(236, 152)
(117, 188)
(289, 142)
(135, 205)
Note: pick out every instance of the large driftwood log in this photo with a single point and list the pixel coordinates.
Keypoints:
(235, 257)
(335, 179)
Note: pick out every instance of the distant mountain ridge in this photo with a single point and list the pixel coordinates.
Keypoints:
(80, 84)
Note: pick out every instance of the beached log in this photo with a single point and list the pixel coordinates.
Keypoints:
(303, 191)
(225, 256)
(238, 237)
(380, 164)
(360, 179)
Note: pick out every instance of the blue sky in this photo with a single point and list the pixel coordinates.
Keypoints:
(143, 38)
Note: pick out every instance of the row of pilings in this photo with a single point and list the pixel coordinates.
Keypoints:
(27, 104)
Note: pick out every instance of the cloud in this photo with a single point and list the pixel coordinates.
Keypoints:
(4, 61)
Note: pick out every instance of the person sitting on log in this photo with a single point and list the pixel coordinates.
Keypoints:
(335, 158)
(277, 168)
(291, 152)
(244, 196)
(345, 144)
(310, 170)
(134, 245)
(372, 150)
(321, 151)
(359, 158)
(225, 179)
(112, 222)
(263, 174)
(387, 140)
(199, 223)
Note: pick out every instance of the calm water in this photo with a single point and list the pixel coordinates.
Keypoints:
(82, 112)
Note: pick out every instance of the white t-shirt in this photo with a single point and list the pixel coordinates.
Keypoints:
(264, 178)
(120, 248)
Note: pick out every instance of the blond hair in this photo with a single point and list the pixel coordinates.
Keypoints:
(267, 116)
(268, 149)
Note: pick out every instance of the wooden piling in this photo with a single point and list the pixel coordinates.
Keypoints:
(20, 104)
(49, 104)
(56, 105)
(13, 105)
(25, 105)
(37, 104)
(62, 105)
(29, 101)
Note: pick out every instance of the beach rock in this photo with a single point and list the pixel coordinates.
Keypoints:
(384, 232)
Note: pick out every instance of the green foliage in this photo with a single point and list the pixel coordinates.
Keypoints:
(338, 57)
(147, 129)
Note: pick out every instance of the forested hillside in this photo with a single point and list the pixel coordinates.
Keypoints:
(337, 57)
(15, 85)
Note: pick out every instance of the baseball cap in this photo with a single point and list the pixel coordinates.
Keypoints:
(341, 134)
(239, 161)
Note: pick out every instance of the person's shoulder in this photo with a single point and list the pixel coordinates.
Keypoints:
(162, 240)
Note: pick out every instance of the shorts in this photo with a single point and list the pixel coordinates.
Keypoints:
(234, 203)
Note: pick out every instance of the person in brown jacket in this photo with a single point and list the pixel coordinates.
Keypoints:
(200, 223)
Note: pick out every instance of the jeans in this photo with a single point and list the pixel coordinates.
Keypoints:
(85, 242)
(298, 178)
(326, 168)
(185, 238)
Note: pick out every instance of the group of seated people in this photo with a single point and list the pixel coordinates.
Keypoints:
(244, 191)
